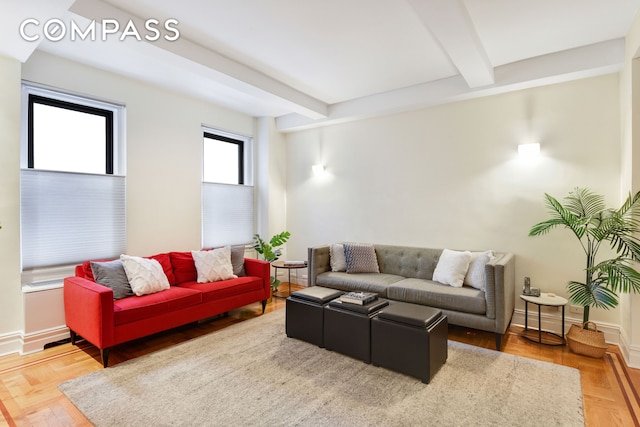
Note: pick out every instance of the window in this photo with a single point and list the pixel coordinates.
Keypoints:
(227, 199)
(72, 187)
(223, 159)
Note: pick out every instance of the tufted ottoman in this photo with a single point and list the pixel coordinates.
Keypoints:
(305, 313)
(409, 338)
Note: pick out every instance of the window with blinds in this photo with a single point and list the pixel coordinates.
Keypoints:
(227, 196)
(72, 194)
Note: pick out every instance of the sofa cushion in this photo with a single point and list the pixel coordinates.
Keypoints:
(145, 275)
(407, 261)
(476, 276)
(112, 275)
(336, 258)
(163, 259)
(367, 282)
(452, 267)
(213, 265)
(226, 288)
(136, 308)
(434, 294)
(361, 258)
(184, 268)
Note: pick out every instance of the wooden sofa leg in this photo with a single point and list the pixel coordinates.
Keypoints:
(104, 354)
(498, 342)
(264, 305)
(74, 336)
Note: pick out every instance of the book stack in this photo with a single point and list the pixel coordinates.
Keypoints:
(295, 263)
(360, 298)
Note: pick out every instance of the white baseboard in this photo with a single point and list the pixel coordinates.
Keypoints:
(18, 342)
(552, 322)
(36, 341)
(10, 343)
(631, 353)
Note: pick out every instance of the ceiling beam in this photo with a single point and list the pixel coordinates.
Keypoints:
(14, 14)
(243, 77)
(450, 23)
(582, 62)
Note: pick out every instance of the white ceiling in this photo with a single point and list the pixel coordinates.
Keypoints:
(313, 62)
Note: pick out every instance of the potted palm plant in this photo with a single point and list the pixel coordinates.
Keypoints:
(269, 252)
(585, 214)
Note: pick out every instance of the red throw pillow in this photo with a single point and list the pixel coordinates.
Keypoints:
(165, 262)
(184, 268)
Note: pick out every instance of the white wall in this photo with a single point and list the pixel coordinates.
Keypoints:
(163, 150)
(630, 178)
(450, 177)
(164, 146)
(11, 318)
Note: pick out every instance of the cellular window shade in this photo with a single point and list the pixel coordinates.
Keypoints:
(227, 214)
(68, 218)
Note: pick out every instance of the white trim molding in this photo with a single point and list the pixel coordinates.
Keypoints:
(10, 343)
(630, 352)
(21, 343)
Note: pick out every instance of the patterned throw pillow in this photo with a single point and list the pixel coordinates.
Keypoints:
(214, 265)
(145, 275)
(475, 275)
(361, 258)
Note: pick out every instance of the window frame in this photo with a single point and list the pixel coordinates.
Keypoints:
(241, 158)
(75, 102)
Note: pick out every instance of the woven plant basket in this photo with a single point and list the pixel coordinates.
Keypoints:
(588, 342)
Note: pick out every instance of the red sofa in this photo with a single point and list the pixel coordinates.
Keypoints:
(92, 313)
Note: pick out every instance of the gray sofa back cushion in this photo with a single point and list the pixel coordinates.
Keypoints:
(407, 261)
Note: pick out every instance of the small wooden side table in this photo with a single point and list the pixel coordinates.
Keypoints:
(546, 300)
(281, 264)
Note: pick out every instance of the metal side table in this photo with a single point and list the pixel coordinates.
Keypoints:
(537, 335)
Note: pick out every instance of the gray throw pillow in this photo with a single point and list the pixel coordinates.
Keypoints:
(112, 275)
(237, 260)
(361, 258)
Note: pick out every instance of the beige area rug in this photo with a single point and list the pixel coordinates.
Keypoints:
(252, 374)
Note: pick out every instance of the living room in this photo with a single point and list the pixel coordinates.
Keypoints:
(445, 173)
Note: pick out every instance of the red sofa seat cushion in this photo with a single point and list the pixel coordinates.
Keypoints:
(225, 288)
(135, 308)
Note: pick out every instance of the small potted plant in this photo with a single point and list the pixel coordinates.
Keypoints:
(270, 253)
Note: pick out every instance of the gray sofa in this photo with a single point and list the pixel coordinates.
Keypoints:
(406, 275)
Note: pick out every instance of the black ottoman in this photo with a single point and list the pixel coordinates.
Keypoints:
(305, 313)
(411, 339)
(347, 327)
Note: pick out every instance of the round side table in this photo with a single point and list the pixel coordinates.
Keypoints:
(537, 335)
(281, 264)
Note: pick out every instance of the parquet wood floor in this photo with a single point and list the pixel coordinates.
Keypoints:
(29, 394)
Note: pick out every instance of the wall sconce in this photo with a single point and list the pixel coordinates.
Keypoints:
(529, 150)
(318, 170)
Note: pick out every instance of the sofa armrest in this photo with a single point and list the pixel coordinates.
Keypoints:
(318, 262)
(262, 269)
(88, 311)
(501, 289)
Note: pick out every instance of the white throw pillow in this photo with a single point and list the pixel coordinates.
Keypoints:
(145, 275)
(337, 259)
(452, 267)
(214, 265)
(475, 274)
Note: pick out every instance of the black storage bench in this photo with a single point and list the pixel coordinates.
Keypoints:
(347, 327)
(305, 313)
(411, 339)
